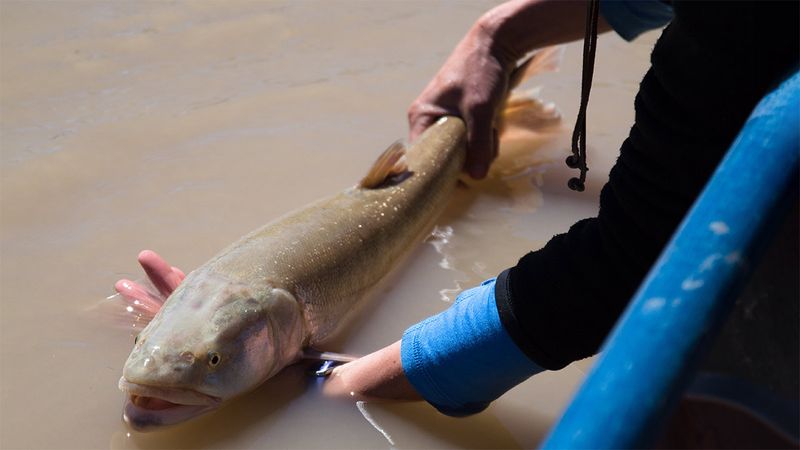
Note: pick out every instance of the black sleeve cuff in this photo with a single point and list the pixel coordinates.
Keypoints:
(505, 299)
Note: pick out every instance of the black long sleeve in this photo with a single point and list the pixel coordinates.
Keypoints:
(710, 67)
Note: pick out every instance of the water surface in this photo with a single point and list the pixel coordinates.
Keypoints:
(180, 126)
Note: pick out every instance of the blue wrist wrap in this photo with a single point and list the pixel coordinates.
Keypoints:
(630, 18)
(462, 358)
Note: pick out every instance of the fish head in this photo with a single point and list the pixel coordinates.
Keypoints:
(213, 340)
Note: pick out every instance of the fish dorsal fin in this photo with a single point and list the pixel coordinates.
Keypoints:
(388, 166)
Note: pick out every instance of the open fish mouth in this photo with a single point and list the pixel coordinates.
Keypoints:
(150, 407)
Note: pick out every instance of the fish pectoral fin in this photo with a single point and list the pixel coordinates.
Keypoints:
(390, 168)
(312, 353)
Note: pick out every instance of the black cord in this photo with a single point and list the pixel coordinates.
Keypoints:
(578, 158)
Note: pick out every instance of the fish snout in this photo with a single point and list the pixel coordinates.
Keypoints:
(157, 364)
(180, 361)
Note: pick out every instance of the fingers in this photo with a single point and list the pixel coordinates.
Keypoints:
(179, 273)
(416, 127)
(481, 135)
(161, 274)
(481, 144)
(424, 113)
(138, 296)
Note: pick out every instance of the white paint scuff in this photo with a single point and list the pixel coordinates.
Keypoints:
(709, 262)
(653, 304)
(691, 284)
(733, 257)
(719, 228)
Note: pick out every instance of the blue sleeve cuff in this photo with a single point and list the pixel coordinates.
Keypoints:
(462, 358)
(630, 18)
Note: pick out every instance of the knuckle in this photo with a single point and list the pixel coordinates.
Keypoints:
(414, 111)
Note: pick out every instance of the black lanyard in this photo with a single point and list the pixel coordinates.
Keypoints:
(578, 158)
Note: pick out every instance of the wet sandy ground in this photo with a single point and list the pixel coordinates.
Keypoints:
(181, 126)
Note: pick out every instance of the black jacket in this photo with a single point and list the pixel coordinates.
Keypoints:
(710, 67)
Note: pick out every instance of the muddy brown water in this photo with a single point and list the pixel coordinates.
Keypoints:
(180, 126)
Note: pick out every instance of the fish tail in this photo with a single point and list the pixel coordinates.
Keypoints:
(547, 59)
(523, 111)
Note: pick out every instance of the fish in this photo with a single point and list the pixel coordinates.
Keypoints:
(256, 306)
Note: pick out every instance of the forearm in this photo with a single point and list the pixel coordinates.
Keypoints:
(458, 360)
(520, 26)
(377, 375)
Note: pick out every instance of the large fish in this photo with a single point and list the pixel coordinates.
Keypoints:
(252, 309)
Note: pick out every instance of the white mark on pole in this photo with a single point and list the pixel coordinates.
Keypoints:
(653, 304)
(719, 228)
(363, 410)
(691, 284)
(709, 262)
(733, 258)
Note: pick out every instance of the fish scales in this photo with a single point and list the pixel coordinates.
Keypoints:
(331, 252)
(250, 311)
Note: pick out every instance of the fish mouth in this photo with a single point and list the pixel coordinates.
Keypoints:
(151, 407)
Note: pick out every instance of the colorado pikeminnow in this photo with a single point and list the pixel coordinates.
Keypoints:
(251, 310)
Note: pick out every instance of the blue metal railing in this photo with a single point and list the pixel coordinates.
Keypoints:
(650, 356)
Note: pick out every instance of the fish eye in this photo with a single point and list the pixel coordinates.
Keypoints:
(213, 359)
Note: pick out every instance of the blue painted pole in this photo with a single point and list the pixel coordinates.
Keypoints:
(651, 354)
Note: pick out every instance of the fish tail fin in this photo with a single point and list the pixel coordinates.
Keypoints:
(547, 59)
(388, 169)
(523, 111)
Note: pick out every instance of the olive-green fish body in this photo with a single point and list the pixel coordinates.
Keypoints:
(249, 311)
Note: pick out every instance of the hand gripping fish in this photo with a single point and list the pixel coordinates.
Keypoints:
(253, 308)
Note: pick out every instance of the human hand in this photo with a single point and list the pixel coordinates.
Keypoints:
(164, 277)
(471, 84)
(473, 81)
(458, 360)
(377, 375)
